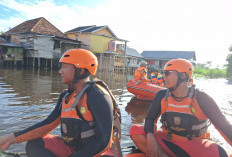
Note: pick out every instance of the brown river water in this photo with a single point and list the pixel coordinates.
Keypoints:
(28, 96)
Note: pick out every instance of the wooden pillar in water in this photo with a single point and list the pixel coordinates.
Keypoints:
(33, 62)
(38, 62)
(51, 64)
(27, 62)
(15, 62)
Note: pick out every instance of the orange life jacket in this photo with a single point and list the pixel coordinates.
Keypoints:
(140, 74)
(157, 80)
(77, 121)
(183, 119)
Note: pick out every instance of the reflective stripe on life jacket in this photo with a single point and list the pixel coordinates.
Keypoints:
(183, 117)
(140, 73)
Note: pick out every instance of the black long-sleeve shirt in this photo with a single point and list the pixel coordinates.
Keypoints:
(207, 105)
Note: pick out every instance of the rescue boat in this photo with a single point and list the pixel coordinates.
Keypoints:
(134, 155)
(143, 90)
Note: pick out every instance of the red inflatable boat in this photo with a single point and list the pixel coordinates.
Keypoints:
(135, 155)
(143, 90)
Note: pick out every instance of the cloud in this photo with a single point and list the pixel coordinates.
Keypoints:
(201, 26)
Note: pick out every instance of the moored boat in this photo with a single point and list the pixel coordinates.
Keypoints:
(143, 90)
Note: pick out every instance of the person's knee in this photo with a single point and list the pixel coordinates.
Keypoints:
(136, 130)
(136, 138)
(33, 145)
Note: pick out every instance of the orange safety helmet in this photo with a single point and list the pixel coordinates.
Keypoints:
(180, 65)
(81, 58)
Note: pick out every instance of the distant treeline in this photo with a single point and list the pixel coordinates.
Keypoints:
(203, 71)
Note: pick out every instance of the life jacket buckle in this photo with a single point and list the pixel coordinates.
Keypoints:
(67, 139)
(169, 135)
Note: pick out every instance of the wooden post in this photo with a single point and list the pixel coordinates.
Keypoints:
(51, 64)
(27, 62)
(124, 67)
(14, 58)
(33, 62)
(38, 62)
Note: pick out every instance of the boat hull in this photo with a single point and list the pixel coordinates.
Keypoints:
(143, 90)
(135, 155)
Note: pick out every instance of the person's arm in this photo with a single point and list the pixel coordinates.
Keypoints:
(6, 141)
(144, 76)
(154, 112)
(144, 79)
(150, 122)
(35, 131)
(212, 111)
(100, 105)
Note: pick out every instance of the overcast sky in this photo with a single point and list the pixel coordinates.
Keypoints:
(203, 26)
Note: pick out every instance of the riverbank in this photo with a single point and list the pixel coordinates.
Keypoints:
(209, 73)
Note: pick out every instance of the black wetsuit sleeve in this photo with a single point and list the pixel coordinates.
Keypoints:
(212, 111)
(42, 128)
(100, 105)
(154, 111)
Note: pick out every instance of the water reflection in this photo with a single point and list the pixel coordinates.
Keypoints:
(114, 80)
(137, 109)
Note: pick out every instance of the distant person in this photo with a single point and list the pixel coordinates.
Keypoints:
(186, 113)
(87, 112)
(141, 73)
(156, 77)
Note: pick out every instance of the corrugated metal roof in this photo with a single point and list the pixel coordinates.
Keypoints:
(81, 28)
(169, 54)
(90, 29)
(133, 52)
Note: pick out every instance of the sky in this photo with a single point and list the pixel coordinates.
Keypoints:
(203, 26)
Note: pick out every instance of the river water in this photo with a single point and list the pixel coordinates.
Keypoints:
(28, 96)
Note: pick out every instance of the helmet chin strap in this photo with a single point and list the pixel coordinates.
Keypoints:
(179, 80)
(77, 77)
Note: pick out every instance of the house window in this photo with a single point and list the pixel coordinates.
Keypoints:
(56, 44)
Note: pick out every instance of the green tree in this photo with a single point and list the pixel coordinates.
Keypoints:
(229, 65)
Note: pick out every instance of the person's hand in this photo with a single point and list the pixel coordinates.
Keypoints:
(152, 146)
(6, 141)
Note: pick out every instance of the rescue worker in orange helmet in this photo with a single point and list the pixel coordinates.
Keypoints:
(141, 73)
(186, 113)
(87, 112)
(156, 77)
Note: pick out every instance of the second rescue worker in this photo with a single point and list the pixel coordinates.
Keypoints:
(141, 73)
